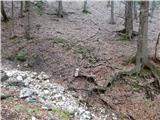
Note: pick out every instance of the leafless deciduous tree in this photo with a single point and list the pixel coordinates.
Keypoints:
(60, 9)
(21, 9)
(152, 8)
(25, 7)
(135, 10)
(129, 19)
(142, 44)
(5, 18)
(112, 21)
(12, 30)
(27, 26)
(85, 7)
(108, 3)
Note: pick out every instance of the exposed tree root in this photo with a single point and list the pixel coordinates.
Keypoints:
(119, 76)
(89, 78)
(123, 31)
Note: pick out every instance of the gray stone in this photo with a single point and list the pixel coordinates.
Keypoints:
(86, 116)
(10, 73)
(46, 92)
(31, 99)
(4, 76)
(47, 106)
(26, 92)
(20, 78)
(16, 83)
(33, 118)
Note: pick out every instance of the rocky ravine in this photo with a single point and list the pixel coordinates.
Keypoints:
(36, 88)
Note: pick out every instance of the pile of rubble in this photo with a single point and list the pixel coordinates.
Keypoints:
(34, 87)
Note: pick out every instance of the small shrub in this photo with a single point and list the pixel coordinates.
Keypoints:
(21, 56)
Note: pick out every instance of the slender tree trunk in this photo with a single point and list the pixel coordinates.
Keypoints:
(27, 27)
(21, 9)
(12, 30)
(5, 18)
(85, 7)
(60, 9)
(112, 13)
(108, 3)
(135, 10)
(25, 7)
(129, 19)
(153, 5)
(142, 44)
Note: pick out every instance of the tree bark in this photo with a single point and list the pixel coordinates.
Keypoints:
(5, 18)
(27, 27)
(60, 9)
(21, 9)
(12, 30)
(142, 43)
(26, 7)
(85, 7)
(129, 19)
(112, 21)
(153, 5)
(135, 10)
(109, 3)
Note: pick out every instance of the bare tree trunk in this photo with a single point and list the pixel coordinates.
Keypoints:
(27, 27)
(153, 5)
(60, 9)
(135, 10)
(112, 13)
(108, 3)
(129, 19)
(25, 7)
(12, 30)
(5, 18)
(142, 44)
(21, 10)
(85, 7)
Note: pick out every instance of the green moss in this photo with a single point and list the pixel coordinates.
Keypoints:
(86, 54)
(21, 56)
(32, 110)
(135, 86)
(63, 114)
(32, 60)
(64, 43)
(123, 37)
(59, 40)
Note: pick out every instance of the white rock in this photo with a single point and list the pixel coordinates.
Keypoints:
(25, 92)
(58, 96)
(33, 118)
(9, 73)
(81, 110)
(86, 116)
(71, 109)
(114, 116)
(19, 78)
(46, 92)
(45, 77)
(76, 72)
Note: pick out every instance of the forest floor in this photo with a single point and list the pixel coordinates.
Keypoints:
(86, 41)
